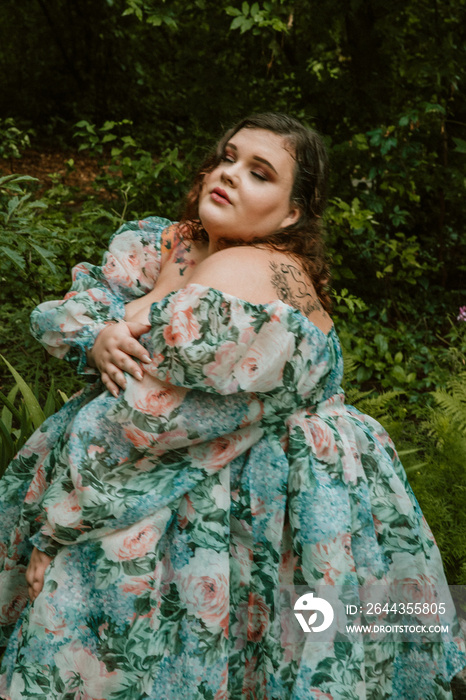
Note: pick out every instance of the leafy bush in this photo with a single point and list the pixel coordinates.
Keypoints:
(13, 140)
(25, 249)
(40, 243)
(18, 423)
(440, 486)
(139, 182)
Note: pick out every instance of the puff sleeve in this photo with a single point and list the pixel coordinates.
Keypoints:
(206, 339)
(130, 267)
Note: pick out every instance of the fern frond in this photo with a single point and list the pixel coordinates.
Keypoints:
(452, 401)
(376, 406)
(350, 365)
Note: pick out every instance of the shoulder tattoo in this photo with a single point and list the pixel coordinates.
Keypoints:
(284, 276)
(179, 252)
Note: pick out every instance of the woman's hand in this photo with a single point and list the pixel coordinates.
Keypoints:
(35, 572)
(114, 350)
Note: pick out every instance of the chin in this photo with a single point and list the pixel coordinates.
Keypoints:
(213, 225)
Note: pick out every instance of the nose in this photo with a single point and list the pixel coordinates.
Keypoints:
(229, 174)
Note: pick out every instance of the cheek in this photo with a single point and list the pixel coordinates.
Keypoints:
(209, 178)
(269, 206)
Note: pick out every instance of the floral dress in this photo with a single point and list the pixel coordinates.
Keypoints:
(187, 515)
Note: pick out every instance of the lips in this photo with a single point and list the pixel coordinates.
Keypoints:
(220, 196)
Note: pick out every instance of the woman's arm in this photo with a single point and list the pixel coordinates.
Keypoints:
(116, 349)
(130, 268)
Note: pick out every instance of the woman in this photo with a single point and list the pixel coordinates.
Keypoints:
(174, 511)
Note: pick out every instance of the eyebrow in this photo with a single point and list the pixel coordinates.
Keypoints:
(258, 158)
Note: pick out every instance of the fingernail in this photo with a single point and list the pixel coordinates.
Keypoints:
(115, 393)
(146, 358)
(138, 375)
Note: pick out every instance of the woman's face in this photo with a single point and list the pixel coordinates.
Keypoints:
(248, 194)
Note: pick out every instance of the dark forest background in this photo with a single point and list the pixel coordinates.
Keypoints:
(125, 96)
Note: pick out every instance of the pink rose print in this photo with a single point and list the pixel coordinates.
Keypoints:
(222, 693)
(254, 681)
(220, 370)
(47, 617)
(10, 611)
(333, 558)
(115, 272)
(186, 511)
(138, 585)
(183, 329)
(416, 589)
(151, 368)
(204, 588)
(37, 486)
(215, 454)
(138, 540)
(162, 401)
(139, 438)
(261, 369)
(320, 438)
(258, 617)
(66, 512)
(82, 672)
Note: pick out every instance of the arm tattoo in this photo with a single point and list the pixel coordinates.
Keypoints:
(180, 256)
(282, 278)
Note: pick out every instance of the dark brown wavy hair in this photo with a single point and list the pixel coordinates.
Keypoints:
(303, 239)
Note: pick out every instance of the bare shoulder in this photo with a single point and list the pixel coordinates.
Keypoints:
(240, 270)
(261, 275)
(293, 286)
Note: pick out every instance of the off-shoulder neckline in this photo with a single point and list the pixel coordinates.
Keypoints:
(258, 305)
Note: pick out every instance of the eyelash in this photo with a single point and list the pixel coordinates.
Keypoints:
(230, 159)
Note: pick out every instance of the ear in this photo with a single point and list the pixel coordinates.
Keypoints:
(293, 215)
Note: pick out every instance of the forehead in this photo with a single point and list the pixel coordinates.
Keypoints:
(265, 144)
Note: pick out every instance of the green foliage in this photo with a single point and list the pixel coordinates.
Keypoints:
(13, 140)
(17, 423)
(40, 243)
(431, 442)
(152, 14)
(139, 182)
(17, 214)
(254, 17)
(452, 401)
(440, 485)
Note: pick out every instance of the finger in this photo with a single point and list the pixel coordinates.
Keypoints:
(133, 369)
(136, 329)
(130, 346)
(125, 363)
(109, 384)
(34, 592)
(34, 589)
(116, 375)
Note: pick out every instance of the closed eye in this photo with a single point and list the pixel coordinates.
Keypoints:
(259, 176)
